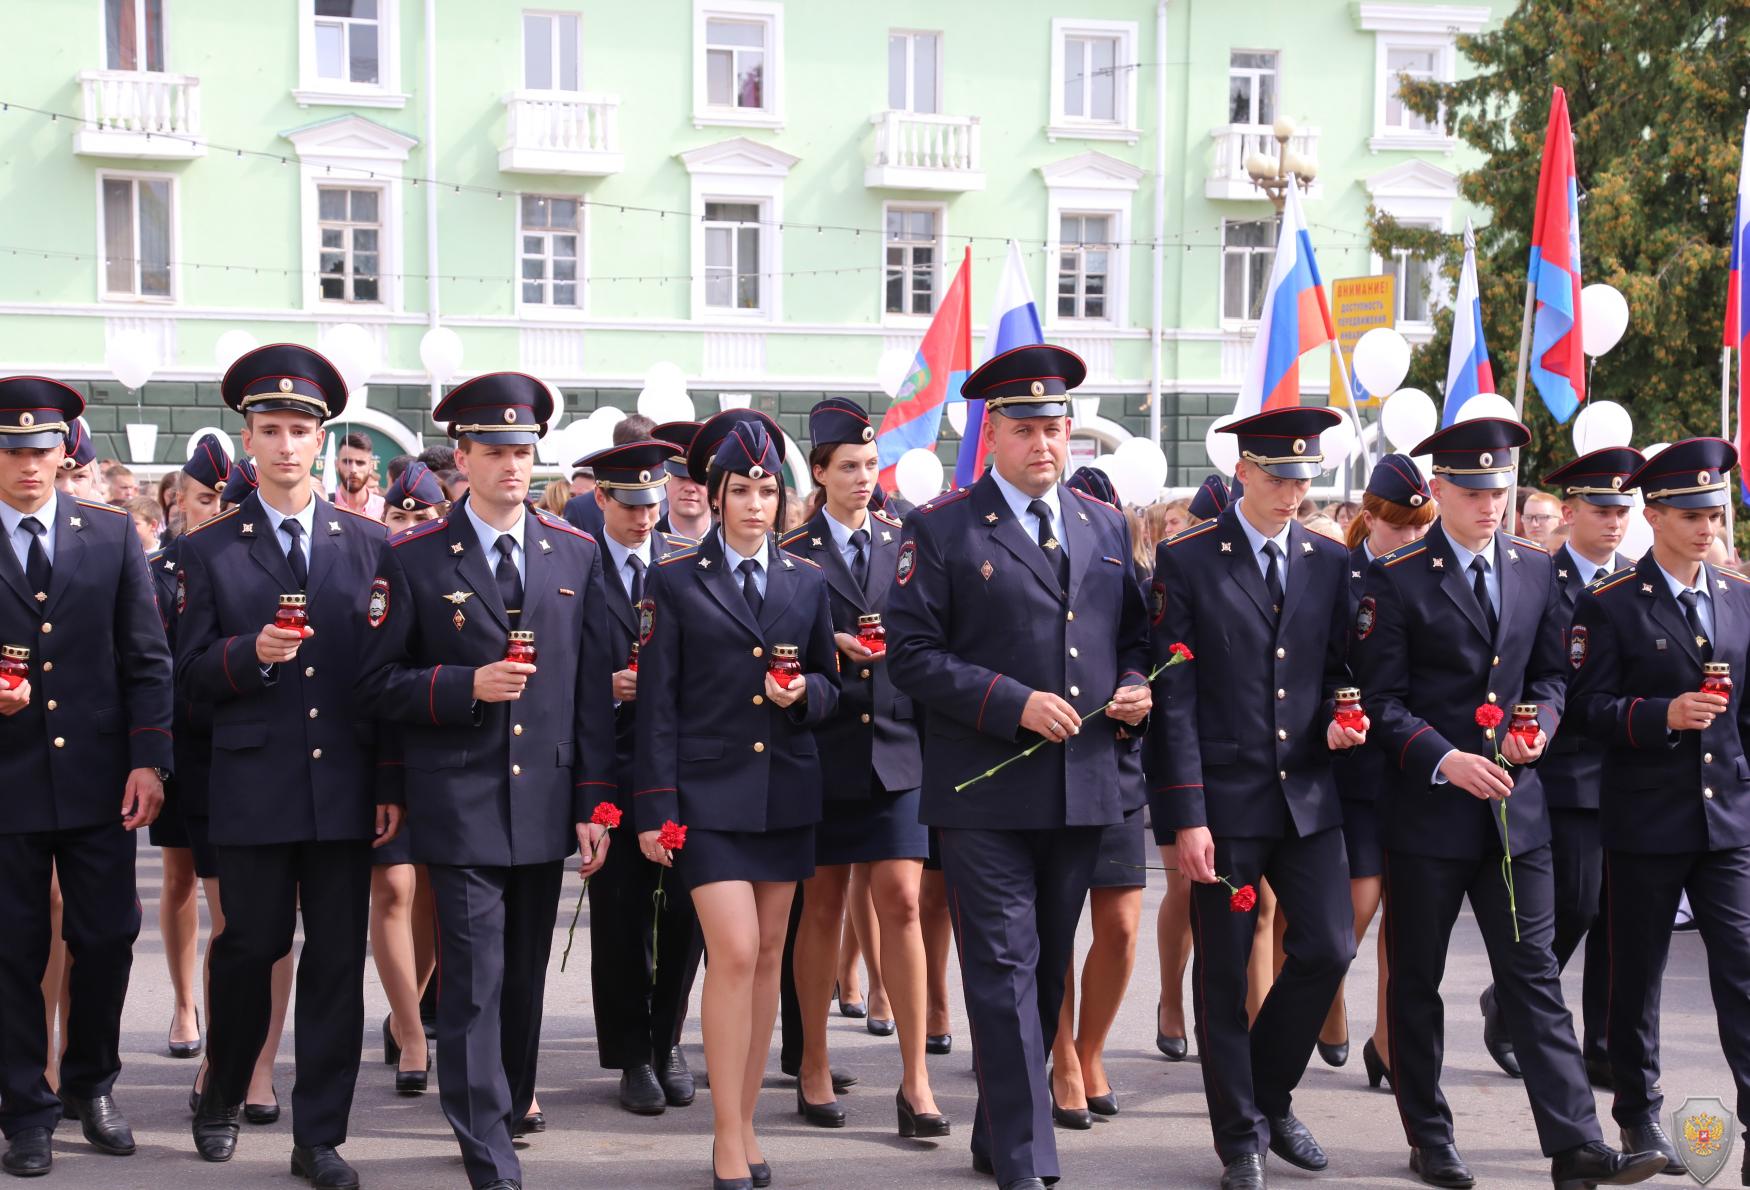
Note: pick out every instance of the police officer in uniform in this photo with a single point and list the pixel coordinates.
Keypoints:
(687, 510)
(1240, 771)
(77, 476)
(1213, 496)
(1674, 811)
(84, 750)
(508, 759)
(1014, 619)
(1596, 507)
(1467, 618)
(241, 483)
(294, 806)
(638, 1017)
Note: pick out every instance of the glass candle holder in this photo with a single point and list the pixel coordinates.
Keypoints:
(1716, 678)
(14, 666)
(521, 648)
(293, 614)
(1347, 712)
(786, 665)
(870, 633)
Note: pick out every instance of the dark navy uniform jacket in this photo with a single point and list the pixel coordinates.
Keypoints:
(193, 720)
(976, 622)
(582, 512)
(872, 742)
(502, 783)
(99, 675)
(294, 749)
(622, 633)
(1425, 662)
(1631, 653)
(712, 752)
(1364, 773)
(1238, 743)
(1573, 766)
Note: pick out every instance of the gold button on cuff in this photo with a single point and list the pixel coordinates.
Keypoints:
(315, 754)
(1074, 690)
(865, 718)
(1492, 696)
(759, 747)
(59, 742)
(759, 699)
(758, 652)
(866, 674)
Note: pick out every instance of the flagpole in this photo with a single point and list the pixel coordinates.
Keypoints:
(1726, 431)
(1354, 418)
(1524, 362)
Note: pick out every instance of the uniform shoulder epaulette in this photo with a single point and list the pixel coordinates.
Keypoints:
(1600, 585)
(349, 512)
(223, 516)
(552, 522)
(414, 532)
(679, 541)
(1402, 554)
(1527, 543)
(1193, 531)
(795, 534)
(945, 499)
(678, 555)
(100, 507)
(1725, 572)
(806, 561)
(887, 518)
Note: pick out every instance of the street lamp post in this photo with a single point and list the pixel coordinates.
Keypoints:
(1274, 175)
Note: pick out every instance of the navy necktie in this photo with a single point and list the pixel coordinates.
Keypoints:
(750, 587)
(1479, 584)
(1272, 576)
(1691, 603)
(36, 565)
(510, 583)
(1048, 543)
(860, 563)
(295, 555)
(637, 588)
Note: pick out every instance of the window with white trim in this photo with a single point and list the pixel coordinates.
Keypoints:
(914, 72)
(349, 42)
(1093, 80)
(1419, 63)
(133, 34)
(736, 59)
(552, 251)
(1418, 278)
(136, 235)
(350, 224)
(1084, 265)
(914, 257)
(1421, 41)
(733, 235)
(1090, 79)
(552, 51)
(1251, 87)
(1248, 250)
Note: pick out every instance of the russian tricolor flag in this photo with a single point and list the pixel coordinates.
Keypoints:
(1738, 302)
(1295, 319)
(1014, 322)
(941, 366)
(1467, 365)
(1557, 365)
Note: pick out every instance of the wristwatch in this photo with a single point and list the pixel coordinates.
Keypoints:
(163, 774)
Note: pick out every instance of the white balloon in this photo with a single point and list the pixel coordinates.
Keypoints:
(608, 415)
(1337, 443)
(1637, 537)
(1486, 405)
(665, 405)
(1654, 449)
(1224, 449)
(957, 417)
(1603, 318)
(131, 358)
(1424, 464)
(231, 346)
(440, 350)
(352, 350)
(215, 431)
(665, 376)
(892, 369)
(1381, 360)
(919, 475)
(1407, 417)
(1144, 468)
(1602, 424)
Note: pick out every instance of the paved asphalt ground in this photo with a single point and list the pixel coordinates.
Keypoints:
(1161, 1138)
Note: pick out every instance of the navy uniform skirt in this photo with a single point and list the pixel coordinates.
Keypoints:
(1364, 837)
(398, 850)
(778, 856)
(884, 826)
(1123, 850)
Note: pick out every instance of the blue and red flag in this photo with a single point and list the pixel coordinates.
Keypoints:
(1295, 319)
(1557, 365)
(940, 367)
(1468, 371)
(1014, 322)
(1738, 304)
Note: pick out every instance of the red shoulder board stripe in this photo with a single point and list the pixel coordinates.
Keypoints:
(945, 499)
(415, 532)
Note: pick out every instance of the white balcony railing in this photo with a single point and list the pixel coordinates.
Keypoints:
(917, 151)
(1236, 142)
(562, 132)
(140, 113)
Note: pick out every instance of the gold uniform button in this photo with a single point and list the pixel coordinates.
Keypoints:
(866, 675)
(1496, 661)
(759, 699)
(47, 627)
(1707, 757)
(315, 754)
(1707, 793)
(1074, 690)
(1073, 653)
(53, 704)
(516, 729)
(1281, 733)
(759, 747)
(758, 652)
(1281, 694)
(1282, 774)
(1281, 653)
(865, 718)
(1492, 696)
(516, 770)
(309, 671)
(48, 667)
(312, 712)
(61, 743)
(1069, 616)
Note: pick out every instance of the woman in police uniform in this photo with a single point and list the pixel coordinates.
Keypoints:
(870, 748)
(729, 753)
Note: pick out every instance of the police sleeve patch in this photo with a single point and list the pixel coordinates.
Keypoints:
(377, 610)
(1365, 617)
(646, 621)
(1577, 646)
(1157, 601)
(908, 560)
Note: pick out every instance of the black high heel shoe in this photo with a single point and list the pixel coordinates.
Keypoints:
(939, 1043)
(1334, 1055)
(391, 1047)
(413, 1082)
(1377, 1070)
(747, 1183)
(1078, 1118)
(187, 1049)
(760, 1174)
(879, 1027)
(919, 1125)
(263, 1113)
(1173, 1049)
(821, 1115)
(194, 1091)
(1104, 1105)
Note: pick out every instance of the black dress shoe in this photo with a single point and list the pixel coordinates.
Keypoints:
(187, 1049)
(677, 1081)
(760, 1174)
(1293, 1142)
(1024, 1184)
(1597, 1164)
(640, 1093)
(939, 1043)
(1244, 1173)
(915, 1125)
(1440, 1165)
(821, 1115)
(533, 1122)
(879, 1027)
(1377, 1070)
(262, 1114)
(1650, 1138)
(1334, 1055)
(102, 1123)
(323, 1168)
(1104, 1105)
(215, 1133)
(1599, 1075)
(29, 1155)
(981, 1164)
(1495, 1038)
(503, 1184)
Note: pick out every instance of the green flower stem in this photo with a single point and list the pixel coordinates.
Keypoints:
(1506, 845)
(572, 932)
(658, 900)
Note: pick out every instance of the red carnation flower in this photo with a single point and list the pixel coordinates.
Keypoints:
(606, 814)
(1243, 899)
(672, 836)
(1489, 715)
(1181, 649)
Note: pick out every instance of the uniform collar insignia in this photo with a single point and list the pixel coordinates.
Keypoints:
(1354, 574)
(1438, 562)
(704, 563)
(76, 522)
(886, 536)
(788, 565)
(1561, 574)
(169, 565)
(247, 529)
(1513, 555)
(1081, 514)
(1306, 547)
(334, 526)
(815, 542)
(456, 547)
(1227, 547)
(990, 518)
(1722, 583)
(1646, 588)
(545, 547)
(459, 597)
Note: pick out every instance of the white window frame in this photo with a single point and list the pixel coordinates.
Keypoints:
(349, 150)
(911, 69)
(768, 280)
(940, 211)
(741, 171)
(546, 311)
(771, 14)
(329, 182)
(1054, 269)
(1227, 322)
(1256, 73)
(1415, 26)
(314, 90)
(1437, 294)
(1421, 194)
(139, 20)
(1091, 184)
(523, 49)
(1063, 126)
(140, 299)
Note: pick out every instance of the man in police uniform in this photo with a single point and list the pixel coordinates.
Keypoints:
(1006, 642)
(509, 760)
(293, 805)
(688, 512)
(638, 1019)
(78, 472)
(1675, 806)
(1470, 618)
(1240, 768)
(1595, 509)
(84, 750)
